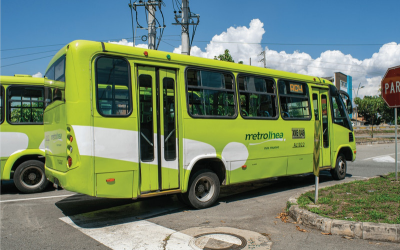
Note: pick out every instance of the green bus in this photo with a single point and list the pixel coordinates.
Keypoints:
(21, 132)
(127, 122)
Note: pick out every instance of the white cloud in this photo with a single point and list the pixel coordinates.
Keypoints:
(246, 43)
(126, 43)
(38, 74)
(248, 47)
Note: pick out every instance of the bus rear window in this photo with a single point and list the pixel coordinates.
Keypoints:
(294, 100)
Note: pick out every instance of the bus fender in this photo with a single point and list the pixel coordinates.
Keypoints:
(340, 147)
(5, 175)
(194, 161)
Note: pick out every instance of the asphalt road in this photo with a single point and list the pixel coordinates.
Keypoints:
(58, 219)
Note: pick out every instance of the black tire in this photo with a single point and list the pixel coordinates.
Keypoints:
(203, 189)
(29, 177)
(339, 172)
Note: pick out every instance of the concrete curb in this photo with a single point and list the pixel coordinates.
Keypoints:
(375, 142)
(358, 230)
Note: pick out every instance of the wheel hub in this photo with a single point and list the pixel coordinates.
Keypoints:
(200, 188)
(32, 176)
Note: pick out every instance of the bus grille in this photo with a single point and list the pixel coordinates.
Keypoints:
(351, 138)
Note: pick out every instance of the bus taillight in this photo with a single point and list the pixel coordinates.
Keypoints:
(70, 138)
(69, 159)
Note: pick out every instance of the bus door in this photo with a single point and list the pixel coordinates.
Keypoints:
(157, 129)
(322, 152)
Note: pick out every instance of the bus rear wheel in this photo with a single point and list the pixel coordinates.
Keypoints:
(29, 177)
(339, 172)
(203, 190)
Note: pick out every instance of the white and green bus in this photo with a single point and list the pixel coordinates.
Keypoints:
(21, 132)
(129, 122)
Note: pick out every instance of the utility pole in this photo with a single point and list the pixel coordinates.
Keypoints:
(263, 59)
(186, 19)
(150, 9)
(185, 28)
(152, 25)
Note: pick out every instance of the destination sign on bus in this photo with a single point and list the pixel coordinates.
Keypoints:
(296, 88)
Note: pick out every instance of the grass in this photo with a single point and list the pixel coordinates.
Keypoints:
(374, 200)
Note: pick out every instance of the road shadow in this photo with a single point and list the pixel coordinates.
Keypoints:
(91, 212)
(8, 187)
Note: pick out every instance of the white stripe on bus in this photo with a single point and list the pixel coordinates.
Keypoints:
(11, 142)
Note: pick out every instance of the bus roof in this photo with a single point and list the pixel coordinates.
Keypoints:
(165, 57)
(21, 79)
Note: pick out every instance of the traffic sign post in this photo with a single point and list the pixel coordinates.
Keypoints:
(390, 87)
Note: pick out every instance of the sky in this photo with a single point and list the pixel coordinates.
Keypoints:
(312, 37)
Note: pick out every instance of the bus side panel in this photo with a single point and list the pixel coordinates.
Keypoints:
(259, 169)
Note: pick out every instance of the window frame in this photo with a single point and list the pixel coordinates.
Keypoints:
(130, 101)
(277, 108)
(209, 88)
(8, 111)
(294, 96)
(3, 103)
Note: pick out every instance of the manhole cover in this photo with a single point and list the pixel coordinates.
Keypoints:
(218, 241)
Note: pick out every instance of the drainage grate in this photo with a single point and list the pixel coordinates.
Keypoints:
(218, 241)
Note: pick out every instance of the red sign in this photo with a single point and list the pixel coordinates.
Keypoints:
(390, 87)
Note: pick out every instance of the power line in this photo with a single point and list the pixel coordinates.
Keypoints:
(28, 54)
(41, 46)
(299, 44)
(2, 66)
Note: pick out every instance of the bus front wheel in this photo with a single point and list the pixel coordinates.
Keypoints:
(203, 190)
(339, 172)
(29, 177)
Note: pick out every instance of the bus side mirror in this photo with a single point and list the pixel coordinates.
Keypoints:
(349, 106)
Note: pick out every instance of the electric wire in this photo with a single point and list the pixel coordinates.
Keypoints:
(3, 66)
(4, 58)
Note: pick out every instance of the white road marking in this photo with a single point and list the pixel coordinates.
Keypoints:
(378, 156)
(135, 235)
(37, 198)
(384, 159)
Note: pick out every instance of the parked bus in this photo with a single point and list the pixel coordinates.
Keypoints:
(21, 132)
(127, 122)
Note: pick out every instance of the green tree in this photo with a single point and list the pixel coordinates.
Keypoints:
(227, 57)
(370, 107)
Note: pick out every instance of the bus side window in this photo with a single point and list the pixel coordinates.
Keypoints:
(294, 100)
(113, 87)
(1, 104)
(257, 97)
(210, 93)
(25, 105)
